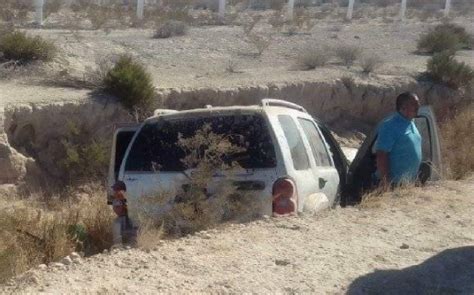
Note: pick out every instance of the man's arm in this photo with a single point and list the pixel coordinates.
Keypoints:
(383, 166)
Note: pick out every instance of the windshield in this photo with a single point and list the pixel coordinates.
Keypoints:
(156, 147)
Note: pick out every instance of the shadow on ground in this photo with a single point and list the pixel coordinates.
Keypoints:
(449, 272)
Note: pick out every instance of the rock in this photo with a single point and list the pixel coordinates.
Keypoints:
(66, 260)
(57, 265)
(75, 256)
(281, 262)
(42, 267)
(12, 162)
(404, 246)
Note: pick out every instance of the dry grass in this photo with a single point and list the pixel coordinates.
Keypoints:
(171, 28)
(457, 143)
(43, 229)
(370, 63)
(348, 54)
(261, 43)
(313, 58)
(381, 197)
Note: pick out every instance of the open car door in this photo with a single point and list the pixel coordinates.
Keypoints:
(123, 134)
(359, 177)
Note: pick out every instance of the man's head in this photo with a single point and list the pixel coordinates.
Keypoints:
(408, 105)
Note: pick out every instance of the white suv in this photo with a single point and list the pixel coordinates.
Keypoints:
(291, 161)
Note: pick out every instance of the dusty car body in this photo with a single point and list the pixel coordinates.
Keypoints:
(292, 162)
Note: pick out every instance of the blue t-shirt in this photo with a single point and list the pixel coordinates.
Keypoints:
(400, 138)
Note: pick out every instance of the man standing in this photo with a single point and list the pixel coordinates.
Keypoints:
(398, 146)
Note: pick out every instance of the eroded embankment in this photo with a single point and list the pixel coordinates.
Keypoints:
(35, 133)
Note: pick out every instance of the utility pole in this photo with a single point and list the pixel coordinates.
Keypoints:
(291, 6)
(403, 9)
(39, 11)
(140, 9)
(222, 9)
(350, 9)
(447, 8)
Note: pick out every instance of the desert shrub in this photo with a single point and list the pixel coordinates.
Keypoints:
(98, 16)
(370, 63)
(44, 229)
(129, 81)
(443, 68)
(249, 25)
(193, 208)
(260, 43)
(457, 143)
(19, 46)
(15, 10)
(231, 66)
(52, 6)
(313, 58)
(444, 37)
(85, 156)
(347, 54)
(171, 28)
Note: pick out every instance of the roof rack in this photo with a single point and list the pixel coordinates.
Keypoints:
(266, 102)
(158, 112)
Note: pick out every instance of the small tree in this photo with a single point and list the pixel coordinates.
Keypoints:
(129, 81)
(443, 68)
(445, 37)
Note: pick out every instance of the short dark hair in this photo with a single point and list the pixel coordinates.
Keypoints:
(404, 98)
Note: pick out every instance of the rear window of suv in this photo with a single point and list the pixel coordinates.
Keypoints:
(156, 146)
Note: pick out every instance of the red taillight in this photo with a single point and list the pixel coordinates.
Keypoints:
(284, 197)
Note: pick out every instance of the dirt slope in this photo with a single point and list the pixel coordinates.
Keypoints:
(396, 247)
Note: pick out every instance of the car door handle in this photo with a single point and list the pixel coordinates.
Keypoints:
(131, 179)
(322, 182)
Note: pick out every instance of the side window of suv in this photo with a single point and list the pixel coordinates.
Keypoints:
(320, 152)
(295, 142)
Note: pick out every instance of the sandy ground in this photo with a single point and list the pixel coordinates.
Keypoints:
(415, 242)
(200, 58)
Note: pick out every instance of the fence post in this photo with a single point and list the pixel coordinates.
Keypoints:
(403, 9)
(350, 9)
(291, 6)
(39, 11)
(222, 9)
(447, 7)
(140, 8)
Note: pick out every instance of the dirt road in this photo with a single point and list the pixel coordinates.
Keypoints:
(415, 242)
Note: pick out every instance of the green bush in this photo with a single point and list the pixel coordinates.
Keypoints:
(85, 156)
(443, 68)
(171, 28)
(129, 81)
(445, 37)
(20, 47)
